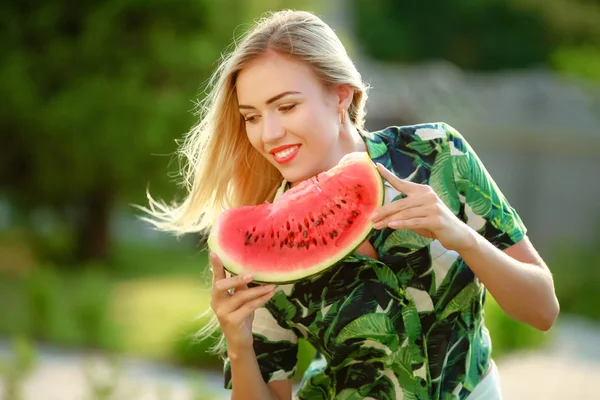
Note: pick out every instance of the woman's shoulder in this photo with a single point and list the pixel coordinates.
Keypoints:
(422, 139)
(425, 131)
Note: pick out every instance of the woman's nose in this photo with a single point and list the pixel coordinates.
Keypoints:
(273, 130)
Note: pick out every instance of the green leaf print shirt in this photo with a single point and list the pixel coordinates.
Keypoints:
(409, 325)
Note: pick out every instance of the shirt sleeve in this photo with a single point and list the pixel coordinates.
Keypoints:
(486, 209)
(275, 346)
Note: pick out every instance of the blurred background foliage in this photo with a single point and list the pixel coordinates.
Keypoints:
(95, 95)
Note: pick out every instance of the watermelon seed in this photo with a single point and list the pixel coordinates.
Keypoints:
(277, 234)
(358, 196)
(285, 241)
(349, 221)
(302, 244)
(315, 241)
(291, 235)
(343, 201)
(247, 242)
(355, 213)
(332, 212)
(255, 239)
(281, 245)
(324, 241)
(287, 225)
(334, 233)
(318, 222)
(253, 229)
(305, 234)
(306, 223)
(338, 206)
(291, 244)
(299, 227)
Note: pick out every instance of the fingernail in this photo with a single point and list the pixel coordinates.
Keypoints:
(378, 225)
(247, 277)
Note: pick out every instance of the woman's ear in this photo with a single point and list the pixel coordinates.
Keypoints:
(345, 94)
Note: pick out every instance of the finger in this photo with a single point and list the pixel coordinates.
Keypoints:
(242, 297)
(249, 307)
(217, 267)
(235, 282)
(413, 223)
(397, 206)
(407, 214)
(402, 185)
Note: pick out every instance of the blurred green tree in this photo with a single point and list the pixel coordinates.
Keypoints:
(94, 96)
(485, 34)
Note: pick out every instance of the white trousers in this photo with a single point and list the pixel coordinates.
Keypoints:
(489, 387)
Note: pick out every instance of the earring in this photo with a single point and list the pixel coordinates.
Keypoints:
(342, 116)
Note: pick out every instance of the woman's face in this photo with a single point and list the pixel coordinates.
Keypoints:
(289, 116)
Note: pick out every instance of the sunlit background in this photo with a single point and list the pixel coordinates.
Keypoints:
(96, 305)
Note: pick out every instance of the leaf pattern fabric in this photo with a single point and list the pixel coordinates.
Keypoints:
(409, 325)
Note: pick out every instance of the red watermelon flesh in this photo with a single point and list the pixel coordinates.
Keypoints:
(307, 229)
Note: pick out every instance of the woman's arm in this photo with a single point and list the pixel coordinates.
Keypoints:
(517, 277)
(248, 383)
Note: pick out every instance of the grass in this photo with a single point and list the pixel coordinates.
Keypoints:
(153, 312)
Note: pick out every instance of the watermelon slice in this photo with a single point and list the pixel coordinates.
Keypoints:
(309, 228)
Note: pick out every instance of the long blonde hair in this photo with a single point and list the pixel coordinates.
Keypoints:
(221, 168)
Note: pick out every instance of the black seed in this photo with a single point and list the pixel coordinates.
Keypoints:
(287, 225)
(291, 235)
(318, 222)
(277, 234)
(334, 233)
(299, 227)
(354, 213)
(349, 222)
(305, 234)
(253, 229)
(343, 201)
(291, 244)
(306, 223)
(331, 212)
(338, 206)
(302, 244)
(285, 241)
(255, 239)
(248, 241)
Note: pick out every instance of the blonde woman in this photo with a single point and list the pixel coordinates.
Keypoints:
(402, 317)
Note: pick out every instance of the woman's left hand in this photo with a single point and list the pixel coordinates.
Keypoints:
(423, 212)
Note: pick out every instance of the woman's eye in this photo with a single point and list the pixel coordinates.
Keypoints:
(287, 108)
(250, 118)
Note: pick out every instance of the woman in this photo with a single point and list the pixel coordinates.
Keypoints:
(402, 316)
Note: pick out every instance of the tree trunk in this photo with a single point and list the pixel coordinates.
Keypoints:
(93, 236)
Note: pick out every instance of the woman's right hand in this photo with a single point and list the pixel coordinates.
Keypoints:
(235, 311)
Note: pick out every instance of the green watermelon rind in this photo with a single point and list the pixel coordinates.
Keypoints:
(230, 265)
